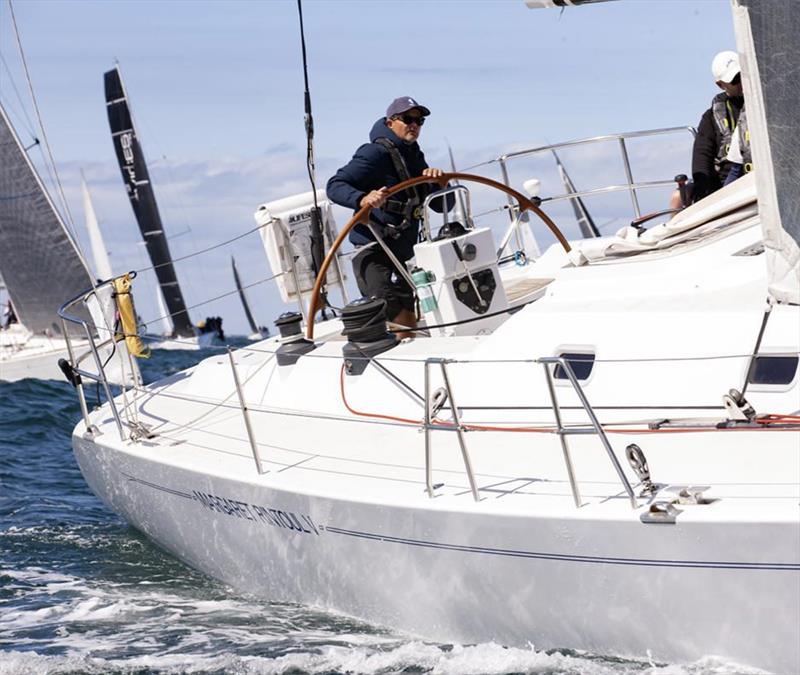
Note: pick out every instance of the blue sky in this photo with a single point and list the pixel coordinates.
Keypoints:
(217, 93)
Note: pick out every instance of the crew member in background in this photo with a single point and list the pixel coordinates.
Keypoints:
(710, 165)
(392, 156)
(739, 154)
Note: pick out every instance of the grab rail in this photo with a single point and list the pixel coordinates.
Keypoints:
(621, 139)
(64, 313)
(563, 432)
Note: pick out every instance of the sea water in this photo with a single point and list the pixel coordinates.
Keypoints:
(82, 592)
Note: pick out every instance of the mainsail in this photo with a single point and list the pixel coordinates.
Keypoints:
(39, 260)
(102, 266)
(245, 304)
(143, 199)
(768, 40)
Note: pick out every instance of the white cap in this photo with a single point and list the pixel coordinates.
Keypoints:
(725, 67)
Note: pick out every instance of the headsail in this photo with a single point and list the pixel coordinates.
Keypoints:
(245, 304)
(39, 260)
(102, 266)
(164, 321)
(768, 41)
(143, 199)
(585, 222)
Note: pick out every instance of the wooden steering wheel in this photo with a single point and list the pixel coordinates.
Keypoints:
(362, 216)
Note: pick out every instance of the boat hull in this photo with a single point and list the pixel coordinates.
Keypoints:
(609, 584)
(37, 358)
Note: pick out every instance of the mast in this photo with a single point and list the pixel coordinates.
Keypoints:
(247, 312)
(143, 200)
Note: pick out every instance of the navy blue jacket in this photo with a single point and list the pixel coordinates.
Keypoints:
(371, 168)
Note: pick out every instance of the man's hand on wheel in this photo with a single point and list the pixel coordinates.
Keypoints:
(374, 199)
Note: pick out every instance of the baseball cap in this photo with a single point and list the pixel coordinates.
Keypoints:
(404, 104)
(725, 66)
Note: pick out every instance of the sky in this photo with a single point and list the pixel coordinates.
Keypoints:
(216, 89)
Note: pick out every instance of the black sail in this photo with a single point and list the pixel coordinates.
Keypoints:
(245, 304)
(143, 199)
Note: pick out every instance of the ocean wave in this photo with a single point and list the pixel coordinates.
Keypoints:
(409, 657)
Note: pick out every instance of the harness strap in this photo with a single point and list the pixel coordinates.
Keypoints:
(407, 207)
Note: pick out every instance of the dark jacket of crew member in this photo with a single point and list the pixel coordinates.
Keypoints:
(710, 165)
(714, 133)
(372, 168)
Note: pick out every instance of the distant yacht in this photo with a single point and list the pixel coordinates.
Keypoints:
(256, 332)
(184, 335)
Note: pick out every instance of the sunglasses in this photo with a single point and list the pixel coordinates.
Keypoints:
(411, 119)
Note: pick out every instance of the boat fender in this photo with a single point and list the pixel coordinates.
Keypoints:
(367, 336)
(293, 342)
(127, 318)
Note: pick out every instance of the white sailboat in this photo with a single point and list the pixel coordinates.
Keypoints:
(33, 238)
(165, 337)
(560, 461)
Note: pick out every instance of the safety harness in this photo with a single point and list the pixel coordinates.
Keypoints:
(409, 208)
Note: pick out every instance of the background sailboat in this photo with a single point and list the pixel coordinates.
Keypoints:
(102, 264)
(256, 332)
(143, 200)
(40, 264)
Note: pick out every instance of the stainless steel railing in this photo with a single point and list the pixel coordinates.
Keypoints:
(95, 343)
(631, 186)
(594, 427)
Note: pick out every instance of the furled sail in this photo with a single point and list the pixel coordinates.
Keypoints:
(245, 304)
(768, 40)
(40, 262)
(102, 265)
(143, 199)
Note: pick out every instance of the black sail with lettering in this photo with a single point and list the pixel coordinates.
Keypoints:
(143, 199)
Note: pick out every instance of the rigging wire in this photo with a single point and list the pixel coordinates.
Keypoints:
(205, 250)
(317, 236)
(218, 297)
(70, 222)
(29, 126)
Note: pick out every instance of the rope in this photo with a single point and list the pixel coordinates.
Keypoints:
(764, 420)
